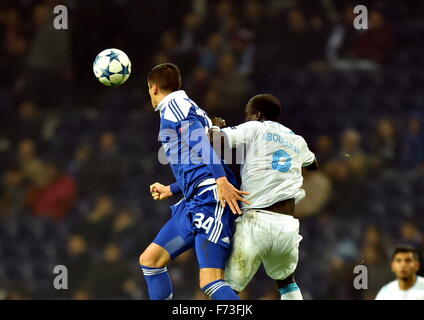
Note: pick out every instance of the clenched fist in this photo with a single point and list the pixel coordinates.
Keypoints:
(160, 192)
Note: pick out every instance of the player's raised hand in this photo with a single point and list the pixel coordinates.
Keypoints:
(160, 192)
(218, 122)
(227, 193)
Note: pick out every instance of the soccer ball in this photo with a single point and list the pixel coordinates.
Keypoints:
(112, 67)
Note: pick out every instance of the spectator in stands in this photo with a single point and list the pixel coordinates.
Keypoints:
(108, 163)
(343, 259)
(412, 154)
(345, 199)
(341, 37)
(52, 193)
(169, 45)
(296, 41)
(376, 262)
(377, 43)
(28, 159)
(112, 281)
(375, 254)
(30, 122)
(232, 87)
(199, 84)
(210, 53)
(324, 149)
(411, 235)
(49, 65)
(386, 145)
(78, 261)
(253, 15)
(96, 227)
(13, 45)
(318, 190)
(352, 154)
(83, 168)
(244, 50)
(124, 232)
(191, 33)
(216, 18)
(318, 37)
(374, 237)
(12, 193)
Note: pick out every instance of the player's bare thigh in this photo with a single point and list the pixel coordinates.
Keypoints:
(155, 256)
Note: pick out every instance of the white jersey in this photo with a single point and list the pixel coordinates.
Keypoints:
(274, 157)
(391, 291)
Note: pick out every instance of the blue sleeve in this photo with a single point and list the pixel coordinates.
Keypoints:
(175, 188)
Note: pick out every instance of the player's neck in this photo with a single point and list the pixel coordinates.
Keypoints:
(162, 95)
(405, 284)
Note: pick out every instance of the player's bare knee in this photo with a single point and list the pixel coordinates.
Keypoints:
(154, 257)
(148, 260)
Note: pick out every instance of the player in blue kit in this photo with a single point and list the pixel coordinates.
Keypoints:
(203, 218)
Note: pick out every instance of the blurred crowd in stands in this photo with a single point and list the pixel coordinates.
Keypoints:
(76, 158)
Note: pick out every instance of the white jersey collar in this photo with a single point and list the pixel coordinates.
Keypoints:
(176, 94)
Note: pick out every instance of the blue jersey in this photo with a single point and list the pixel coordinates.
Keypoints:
(183, 134)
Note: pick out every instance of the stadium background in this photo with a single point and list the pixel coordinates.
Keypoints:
(76, 158)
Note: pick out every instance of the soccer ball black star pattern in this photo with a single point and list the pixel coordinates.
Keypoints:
(112, 67)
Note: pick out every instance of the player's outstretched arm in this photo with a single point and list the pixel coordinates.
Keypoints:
(160, 192)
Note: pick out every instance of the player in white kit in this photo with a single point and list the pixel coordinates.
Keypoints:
(408, 285)
(271, 172)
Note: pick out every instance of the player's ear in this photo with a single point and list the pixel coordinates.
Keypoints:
(258, 115)
(417, 266)
(392, 266)
(155, 89)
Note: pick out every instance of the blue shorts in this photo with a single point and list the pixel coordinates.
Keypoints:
(200, 223)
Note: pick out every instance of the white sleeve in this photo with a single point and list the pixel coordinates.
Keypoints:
(307, 155)
(380, 295)
(241, 134)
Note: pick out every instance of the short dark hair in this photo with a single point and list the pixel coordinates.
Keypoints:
(267, 104)
(166, 76)
(405, 249)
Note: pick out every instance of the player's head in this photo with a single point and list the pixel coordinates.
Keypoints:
(405, 262)
(162, 80)
(263, 107)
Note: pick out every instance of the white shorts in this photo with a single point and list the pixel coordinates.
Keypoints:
(263, 237)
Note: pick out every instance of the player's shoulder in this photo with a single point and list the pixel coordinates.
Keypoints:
(420, 283)
(392, 285)
(282, 129)
(385, 290)
(246, 126)
(178, 106)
